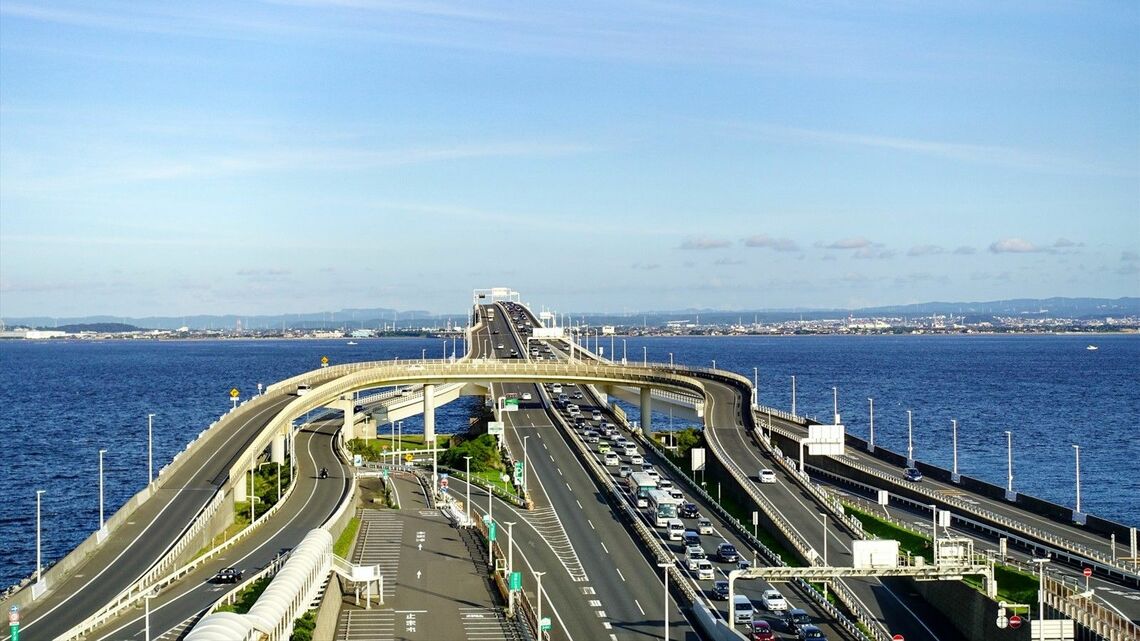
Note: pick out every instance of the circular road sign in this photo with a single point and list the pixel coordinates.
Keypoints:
(1002, 623)
(897, 637)
(1015, 622)
(1088, 572)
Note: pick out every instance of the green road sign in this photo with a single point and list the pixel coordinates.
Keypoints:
(491, 532)
(518, 471)
(516, 581)
(544, 624)
(511, 402)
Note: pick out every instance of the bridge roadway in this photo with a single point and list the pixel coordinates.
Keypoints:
(1125, 600)
(310, 503)
(136, 545)
(599, 576)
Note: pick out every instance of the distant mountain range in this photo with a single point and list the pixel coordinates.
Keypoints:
(380, 317)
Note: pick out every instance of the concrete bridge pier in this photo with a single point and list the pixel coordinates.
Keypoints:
(241, 487)
(347, 405)
(429, 413)
(277, 449)
(646, 409)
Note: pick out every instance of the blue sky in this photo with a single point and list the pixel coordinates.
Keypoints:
(270, 157)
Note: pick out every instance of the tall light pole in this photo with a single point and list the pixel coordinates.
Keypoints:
(909, 440)
(150, 448)
(954, 476)
(102, 452)
(793, 396)
(39, 565)
(490, 523)
(1009, 493)
(526, 465)
(871, 443)
(756, 386)
(1040, 594)
(1077, 453)
(644, 356)
(670, 359)
(665, 571)
(538, 576)
(510, 566)
(146, 617)
(623, 361)
(823, 520)
(468, 504)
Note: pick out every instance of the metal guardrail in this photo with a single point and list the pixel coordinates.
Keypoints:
(1065, 548)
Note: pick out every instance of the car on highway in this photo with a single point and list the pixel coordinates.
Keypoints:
(744, 609)
(726, 553)
(912, 474)
(630, 449)
(694, 553)
(625, 471)
(500, 346)
(767, 476)
(603, 447)
(557, 389)
(612, 460)
(635, 459)
(691, 537)
(527, 396)
(227, 575)
(654, 473)
(720, 590)
(704, 526)
(578, 395)
(665, 483)
(688, 511)
(810, 633)
(705, 570)
(794, 619)
(762, 631)
(773, 601)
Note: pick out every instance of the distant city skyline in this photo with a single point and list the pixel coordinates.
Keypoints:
(276, 157)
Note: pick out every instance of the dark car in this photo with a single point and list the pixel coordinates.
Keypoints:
(227, 575)
(688, 511)
(912, 474)
(794, 619)
(810, 633)
(726, 553)
(720, 590)
(690, 537)
(762, 631)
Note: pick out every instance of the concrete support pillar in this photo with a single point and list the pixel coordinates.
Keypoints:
(348, 406)
(429, 413)
(241, 487)
(646, 410)
(277, 449)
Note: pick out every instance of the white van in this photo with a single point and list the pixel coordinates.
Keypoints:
(675, 527)
(303, 389)
(743, 609)
(705, 570)
(556, 388)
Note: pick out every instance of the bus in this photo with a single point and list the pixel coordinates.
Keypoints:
(639, 485)
(661, 507)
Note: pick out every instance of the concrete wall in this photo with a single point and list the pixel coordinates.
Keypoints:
(329, 609)
(971, 612)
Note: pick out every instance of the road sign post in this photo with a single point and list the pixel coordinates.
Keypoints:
(516, 581)
(14, 622)
(544, 624)
(491, 531)
(234, 396)
(518, 472)
(324, 361)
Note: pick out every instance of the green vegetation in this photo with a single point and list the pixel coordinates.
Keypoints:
(245, 599)
(682, 441)
(484, 453)
(304, 626)
(379, 449)
(347, 536)
(1014, 586)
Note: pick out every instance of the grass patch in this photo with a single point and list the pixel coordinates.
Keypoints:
(347, 536)
(303, 627)
(381, 448)
(247, 597)
(1014, 586)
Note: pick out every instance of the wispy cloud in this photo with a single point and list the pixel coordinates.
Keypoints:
(1010, 157)
(965, 250)
(1065, 243)
(767, 242)
(1013, 246)
(705, 243)
(925, 250)
(857, 242)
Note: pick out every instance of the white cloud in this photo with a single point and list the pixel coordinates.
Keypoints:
(767, 242)
(1013, 246)
(857, 242)
(925, 250)
(705, 243)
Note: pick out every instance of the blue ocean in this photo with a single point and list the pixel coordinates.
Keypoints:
(62, 401)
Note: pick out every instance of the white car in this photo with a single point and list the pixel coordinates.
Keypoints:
(635, 459)
(612, 459)
(767, 476)
(526, 396)
(704, 526)
(705, 570)
(773, 601)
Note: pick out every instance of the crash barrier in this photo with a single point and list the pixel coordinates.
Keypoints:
(714, 627)
(288, 594)
(1065, 548)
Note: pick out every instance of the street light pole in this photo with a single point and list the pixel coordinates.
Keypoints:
(954, 476)
(1041, 595)
(909, 440)
(468, 503)
(150, 448)
(1009, 495)
(526, 465)
(793, 396)
(756, 386)
(39, 565)
(665, 569)
(1077, 453)
(623, 361)
(670, 359)
(490, 524)
(823, 520)
(538, 576)
(871, 443)
(510, 567)
(102, 452)
(835, 403)
(644, 356)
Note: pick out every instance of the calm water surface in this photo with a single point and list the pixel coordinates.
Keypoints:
(60, 402)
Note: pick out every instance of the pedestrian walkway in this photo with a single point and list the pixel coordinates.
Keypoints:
(435, 579)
